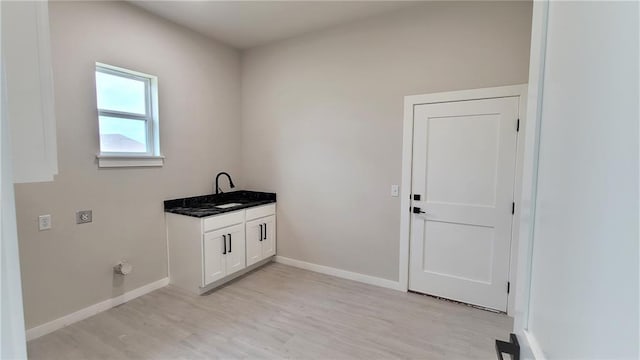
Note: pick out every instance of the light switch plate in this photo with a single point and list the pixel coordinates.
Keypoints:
(395, 190)
(84, 216)
(44, 222)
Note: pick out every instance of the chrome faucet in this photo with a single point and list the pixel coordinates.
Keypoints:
(218, 191)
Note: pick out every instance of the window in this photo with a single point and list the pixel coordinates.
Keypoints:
(127, 117)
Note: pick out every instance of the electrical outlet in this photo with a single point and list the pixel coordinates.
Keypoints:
(44, 222)
(395, 190)
(84, 216)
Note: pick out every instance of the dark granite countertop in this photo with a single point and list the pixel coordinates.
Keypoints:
(205, 205)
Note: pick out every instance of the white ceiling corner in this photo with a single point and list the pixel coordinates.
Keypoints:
(245, 24)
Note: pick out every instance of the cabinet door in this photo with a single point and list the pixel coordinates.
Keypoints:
(235, 258)
(269, 242)
(254, 241)
(214, 253)
(28, 85)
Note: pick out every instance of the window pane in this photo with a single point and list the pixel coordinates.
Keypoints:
(120, 93)
(122, 135)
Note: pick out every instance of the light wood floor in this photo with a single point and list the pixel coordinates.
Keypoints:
(281, 312)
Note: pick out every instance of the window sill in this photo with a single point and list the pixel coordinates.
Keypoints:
(107, 161)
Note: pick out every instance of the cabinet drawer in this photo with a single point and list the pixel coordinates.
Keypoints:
(220, 221)
(261, 211)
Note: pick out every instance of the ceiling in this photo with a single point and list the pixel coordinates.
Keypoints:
(245, 24)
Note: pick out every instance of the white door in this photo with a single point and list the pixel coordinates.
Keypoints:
(235, 258)
(261, 239)
(269, 242)
(254, 241)
(215, 251)
(463, 170)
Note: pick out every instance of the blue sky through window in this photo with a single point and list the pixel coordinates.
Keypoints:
(121, 133)
(133, 129)
(118, 93)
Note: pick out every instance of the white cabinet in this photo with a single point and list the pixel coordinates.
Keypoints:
(261, 239)
(214, 257)
(235, 259)
(223, 253)
(254, 241)
(269, 242)
(206, 252)
(28, 83)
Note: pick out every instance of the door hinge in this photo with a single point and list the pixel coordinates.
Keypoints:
(518, 125)
(508, 286)
(513, 208)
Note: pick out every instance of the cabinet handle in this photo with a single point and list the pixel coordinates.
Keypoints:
(229, 243)
(224, 244)
(265, 231)
(260, 233)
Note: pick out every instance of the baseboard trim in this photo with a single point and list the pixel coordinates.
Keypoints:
(40, 330)
(367, 279)
(535, 348)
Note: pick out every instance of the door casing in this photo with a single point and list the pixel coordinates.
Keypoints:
(407, 157)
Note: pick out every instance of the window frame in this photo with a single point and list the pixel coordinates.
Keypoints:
(152, 156)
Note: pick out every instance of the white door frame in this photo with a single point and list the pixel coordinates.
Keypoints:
(407, 157)
(529, 348)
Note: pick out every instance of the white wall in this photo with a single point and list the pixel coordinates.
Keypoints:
(69, 267)
(322, 119)
(584, 275)
(12, 335)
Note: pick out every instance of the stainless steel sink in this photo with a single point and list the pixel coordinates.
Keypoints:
(226, 206)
